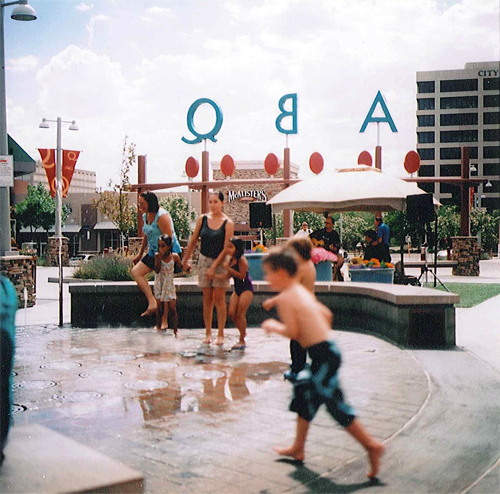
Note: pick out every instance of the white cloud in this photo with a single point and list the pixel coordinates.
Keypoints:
(141, 78)
(22, 64)
(157, 13)
(83, 7)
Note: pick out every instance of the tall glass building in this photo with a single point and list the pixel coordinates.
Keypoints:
(458, 108)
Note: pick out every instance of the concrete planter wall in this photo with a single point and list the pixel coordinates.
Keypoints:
(409, 316)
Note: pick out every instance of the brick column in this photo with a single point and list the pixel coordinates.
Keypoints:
(467, 253)
(53, 252)
(20, 270)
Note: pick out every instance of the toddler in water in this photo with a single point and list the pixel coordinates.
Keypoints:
(164, 289)
(308, 322)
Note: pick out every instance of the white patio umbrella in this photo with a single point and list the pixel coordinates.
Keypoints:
(362, 188)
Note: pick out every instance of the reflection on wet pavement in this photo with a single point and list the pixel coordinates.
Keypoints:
(123, 367)
(188, 415)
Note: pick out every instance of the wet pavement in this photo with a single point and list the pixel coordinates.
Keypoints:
(187, 414)
(195, 418)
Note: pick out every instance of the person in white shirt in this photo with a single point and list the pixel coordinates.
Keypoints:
(305, 231)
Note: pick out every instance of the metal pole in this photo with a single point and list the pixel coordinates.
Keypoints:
(59, 217)
(5, 234)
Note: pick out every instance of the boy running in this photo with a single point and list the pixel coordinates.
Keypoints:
(306, 320)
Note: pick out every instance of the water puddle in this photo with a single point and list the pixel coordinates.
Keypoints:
(77, 396)
(34, 385)
(61, 365)
(145, 385)
(117, 358)
(100, 374)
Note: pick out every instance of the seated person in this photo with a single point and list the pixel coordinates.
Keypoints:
(374, 249)
(329, 239)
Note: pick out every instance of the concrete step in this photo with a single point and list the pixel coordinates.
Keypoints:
(40, 460)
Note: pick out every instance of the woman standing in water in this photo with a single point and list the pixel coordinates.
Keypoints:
(157, 222)
(215, 230)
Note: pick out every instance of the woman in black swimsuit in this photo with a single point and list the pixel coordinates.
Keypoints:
(215, 230)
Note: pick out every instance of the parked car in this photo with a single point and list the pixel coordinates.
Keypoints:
(74, 262)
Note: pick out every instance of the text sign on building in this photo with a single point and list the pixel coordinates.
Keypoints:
(6, 171)
(247, 195)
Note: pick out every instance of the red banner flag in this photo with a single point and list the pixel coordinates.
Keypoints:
(69, 162)
(68, 167)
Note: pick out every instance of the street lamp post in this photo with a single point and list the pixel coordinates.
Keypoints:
(22, 12)
(58, 233)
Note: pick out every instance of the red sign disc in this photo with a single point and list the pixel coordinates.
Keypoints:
(192, 167)
(271, 164)
(365, 158)
(227, 165)
(412, 162)
(316, 163)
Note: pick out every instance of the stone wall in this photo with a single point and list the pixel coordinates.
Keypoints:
(21, 271)
(467, 253)
(53, 252)
(238, 209)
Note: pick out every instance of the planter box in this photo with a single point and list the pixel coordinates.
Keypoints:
(324, 271)
(255, 265)
(380, 275)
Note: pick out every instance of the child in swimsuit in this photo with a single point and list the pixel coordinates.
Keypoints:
(241, 298)
(164, 289)
(308, 322)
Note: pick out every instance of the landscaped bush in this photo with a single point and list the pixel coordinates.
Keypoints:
(107, 268)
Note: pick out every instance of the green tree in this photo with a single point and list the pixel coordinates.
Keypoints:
(354, 225)
(314, 220)
(181, 216)
(115, 203)
(486, 226)
(38, 210)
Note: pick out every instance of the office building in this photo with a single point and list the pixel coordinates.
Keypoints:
(458, 108)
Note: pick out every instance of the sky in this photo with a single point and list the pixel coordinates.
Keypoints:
(132, 69)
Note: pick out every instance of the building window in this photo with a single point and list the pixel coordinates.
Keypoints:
(426, 120)
(458, 119)
(450, 170)
(427, 187)
(491, 152)
(446, 188)
(458, 85)
(425, 137)
(426, 171)
(491, 118)
(426, 87)
(426, 154)
(491, 135)
(426, 104)
(458, 102)
(491, 101)
(456, 153)
(491, 84)
(458, 136)
(491, 169)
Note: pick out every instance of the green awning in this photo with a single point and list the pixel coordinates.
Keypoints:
(23, 162)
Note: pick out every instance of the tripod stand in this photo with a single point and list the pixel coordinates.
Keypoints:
(425, 268)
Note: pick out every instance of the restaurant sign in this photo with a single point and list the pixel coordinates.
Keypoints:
(246, 195)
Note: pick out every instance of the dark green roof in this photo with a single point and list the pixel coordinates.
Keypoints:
(23, 162)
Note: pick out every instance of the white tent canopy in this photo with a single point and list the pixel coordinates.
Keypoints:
(349, 189)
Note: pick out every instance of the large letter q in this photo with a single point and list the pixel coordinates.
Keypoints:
(190, 116)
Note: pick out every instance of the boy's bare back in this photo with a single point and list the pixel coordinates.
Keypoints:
(308, 321)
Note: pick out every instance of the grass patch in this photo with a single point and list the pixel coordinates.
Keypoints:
(471, 294)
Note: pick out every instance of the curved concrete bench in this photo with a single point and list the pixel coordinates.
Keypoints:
(410, 316)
